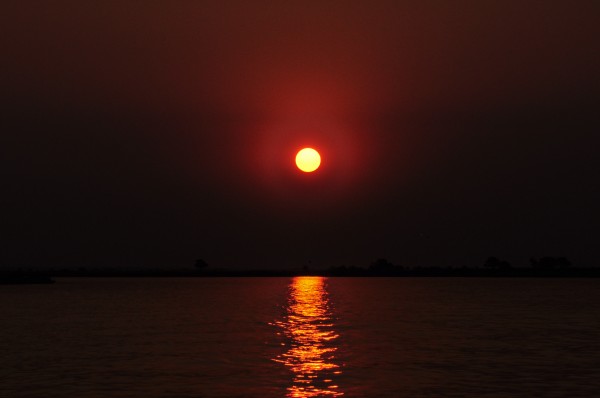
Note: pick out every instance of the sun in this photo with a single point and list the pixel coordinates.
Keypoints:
(308, 160)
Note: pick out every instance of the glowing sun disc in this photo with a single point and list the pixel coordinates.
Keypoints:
(308, 160)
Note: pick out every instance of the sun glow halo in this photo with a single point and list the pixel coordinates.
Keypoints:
(308, 160)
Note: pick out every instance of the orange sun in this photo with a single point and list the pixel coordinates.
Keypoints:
(308, 160)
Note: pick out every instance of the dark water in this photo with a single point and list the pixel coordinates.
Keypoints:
(304, 337)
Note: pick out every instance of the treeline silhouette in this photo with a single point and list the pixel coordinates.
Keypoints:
(491, 267)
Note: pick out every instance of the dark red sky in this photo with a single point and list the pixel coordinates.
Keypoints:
(152, 132)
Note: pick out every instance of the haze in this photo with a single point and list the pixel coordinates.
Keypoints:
(153, 133)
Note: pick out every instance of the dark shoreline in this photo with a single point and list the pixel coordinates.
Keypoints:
(33, 279)
(47, 277)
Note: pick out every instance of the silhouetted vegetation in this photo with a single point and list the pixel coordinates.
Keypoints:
(381, 267)
(495, 263)
(200, 264)
(491, 267)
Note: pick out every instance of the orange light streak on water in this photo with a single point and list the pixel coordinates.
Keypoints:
(310, 334)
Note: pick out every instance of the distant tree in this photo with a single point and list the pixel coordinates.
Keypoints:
(381, 265)
(563, 262)
(495, 263)
(548, 263)
(534, 262)
(491, 262)
(306, 267)
(200, 264)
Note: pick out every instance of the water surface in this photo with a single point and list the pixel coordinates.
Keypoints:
(303, 337)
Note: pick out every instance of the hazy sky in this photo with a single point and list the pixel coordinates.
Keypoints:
(155, 132)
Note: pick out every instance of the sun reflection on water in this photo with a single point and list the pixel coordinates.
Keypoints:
(310, 340)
